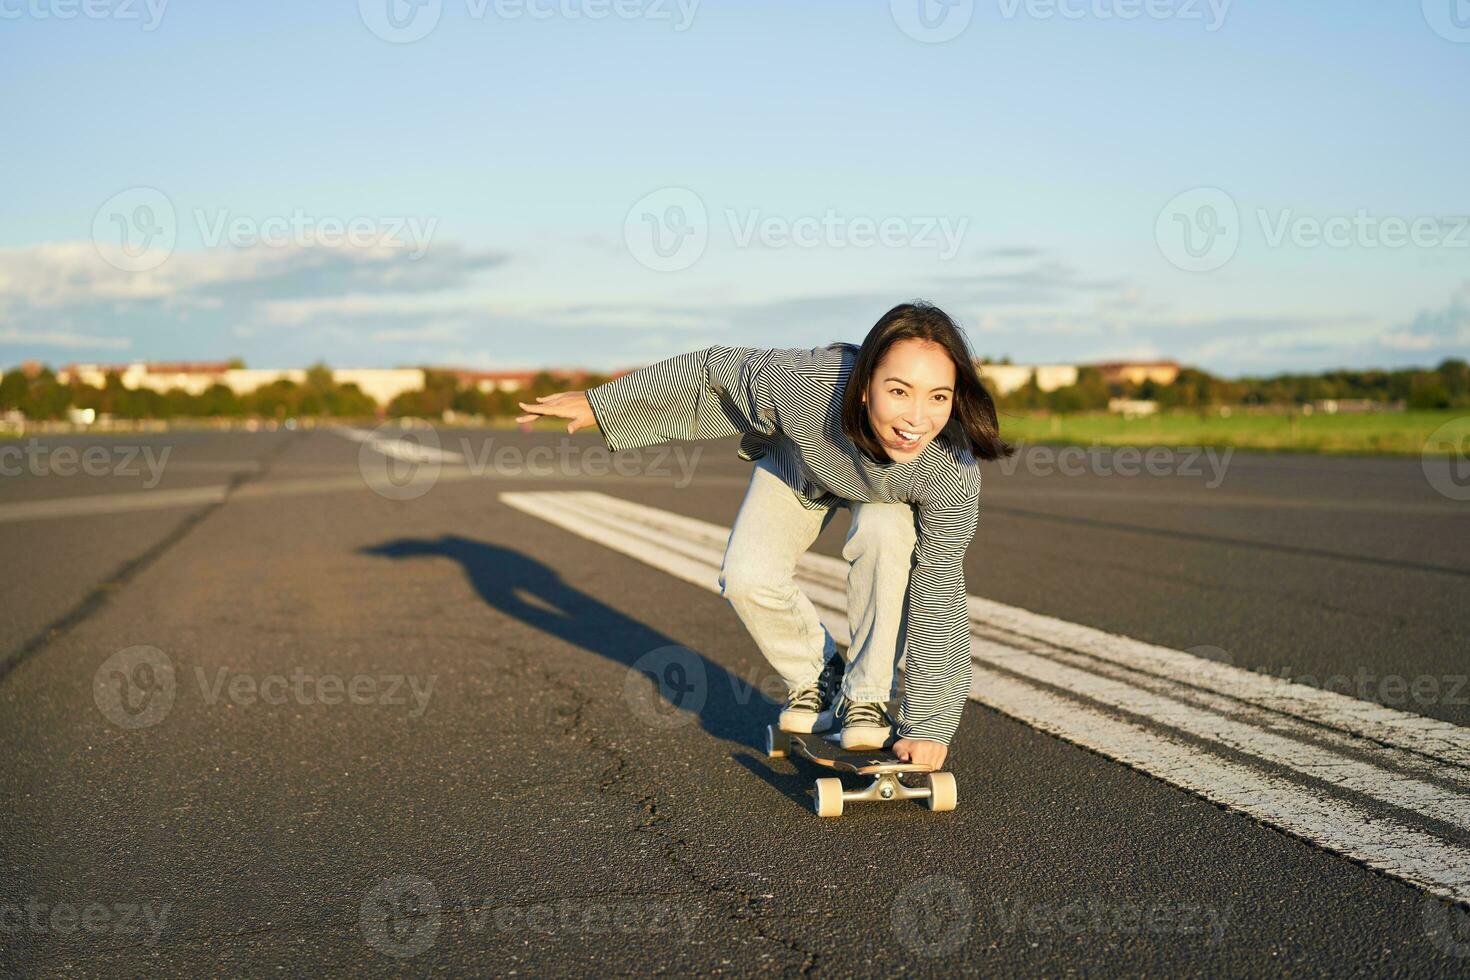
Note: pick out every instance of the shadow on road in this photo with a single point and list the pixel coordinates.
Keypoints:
(689, 686)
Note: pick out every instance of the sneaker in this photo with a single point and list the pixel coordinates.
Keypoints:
(810, 709)
(865, 725)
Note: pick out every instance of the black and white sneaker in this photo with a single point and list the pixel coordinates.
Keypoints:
(865, 725)
(810, 709)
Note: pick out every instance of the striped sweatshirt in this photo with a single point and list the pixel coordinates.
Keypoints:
(786, 405)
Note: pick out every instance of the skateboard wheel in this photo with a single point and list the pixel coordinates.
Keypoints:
(778, 743)
(829, 797)
(943, 795)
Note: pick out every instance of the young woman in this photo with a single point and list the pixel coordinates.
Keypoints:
(891, 430)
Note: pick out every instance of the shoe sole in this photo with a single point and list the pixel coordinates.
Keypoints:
(864, 739)
(805, 722)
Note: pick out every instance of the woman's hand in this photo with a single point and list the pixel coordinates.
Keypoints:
(563, 405)
(921, 751)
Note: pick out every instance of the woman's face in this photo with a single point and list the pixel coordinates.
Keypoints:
(910, 395)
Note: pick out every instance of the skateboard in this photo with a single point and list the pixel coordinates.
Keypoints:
(938, 791)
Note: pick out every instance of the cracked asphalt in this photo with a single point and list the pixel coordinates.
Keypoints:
(306, 727)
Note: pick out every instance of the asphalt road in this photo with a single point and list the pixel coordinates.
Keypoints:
(260, 715)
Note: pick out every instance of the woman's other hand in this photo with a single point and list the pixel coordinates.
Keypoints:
(563, 405)
(921, 751)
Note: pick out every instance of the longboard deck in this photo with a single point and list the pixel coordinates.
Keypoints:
(869, 762)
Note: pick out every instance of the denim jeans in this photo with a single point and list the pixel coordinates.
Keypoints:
(771, 531)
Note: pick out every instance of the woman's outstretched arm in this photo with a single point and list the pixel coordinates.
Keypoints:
(705, 394)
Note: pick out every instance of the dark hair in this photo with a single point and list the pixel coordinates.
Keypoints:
(972, 421)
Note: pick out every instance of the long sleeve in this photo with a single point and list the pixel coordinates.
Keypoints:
(705, 394)
(937, 656)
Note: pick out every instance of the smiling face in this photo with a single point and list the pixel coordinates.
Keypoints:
(911, 393)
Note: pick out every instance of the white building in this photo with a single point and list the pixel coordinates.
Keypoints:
(382, 385)
(1002, 379)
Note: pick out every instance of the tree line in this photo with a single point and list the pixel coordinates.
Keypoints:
(43, 396)
(1447, 386)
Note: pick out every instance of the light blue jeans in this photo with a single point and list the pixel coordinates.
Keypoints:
(771, 531)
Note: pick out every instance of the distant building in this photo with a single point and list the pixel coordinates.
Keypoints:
(1137, 372)
(1002, 379)
(1133, 408)
(488, 381)
(382, 385)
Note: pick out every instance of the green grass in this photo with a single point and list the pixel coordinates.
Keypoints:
(1385, 433)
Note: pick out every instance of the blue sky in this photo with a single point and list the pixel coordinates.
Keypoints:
(513, 173)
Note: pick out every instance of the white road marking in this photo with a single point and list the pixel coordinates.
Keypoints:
(86, 505)
(1299, 758)
(404, 449)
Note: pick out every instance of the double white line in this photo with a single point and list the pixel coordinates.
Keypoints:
(1381, 786)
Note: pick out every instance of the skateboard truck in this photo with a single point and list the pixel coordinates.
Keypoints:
(938, 792)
